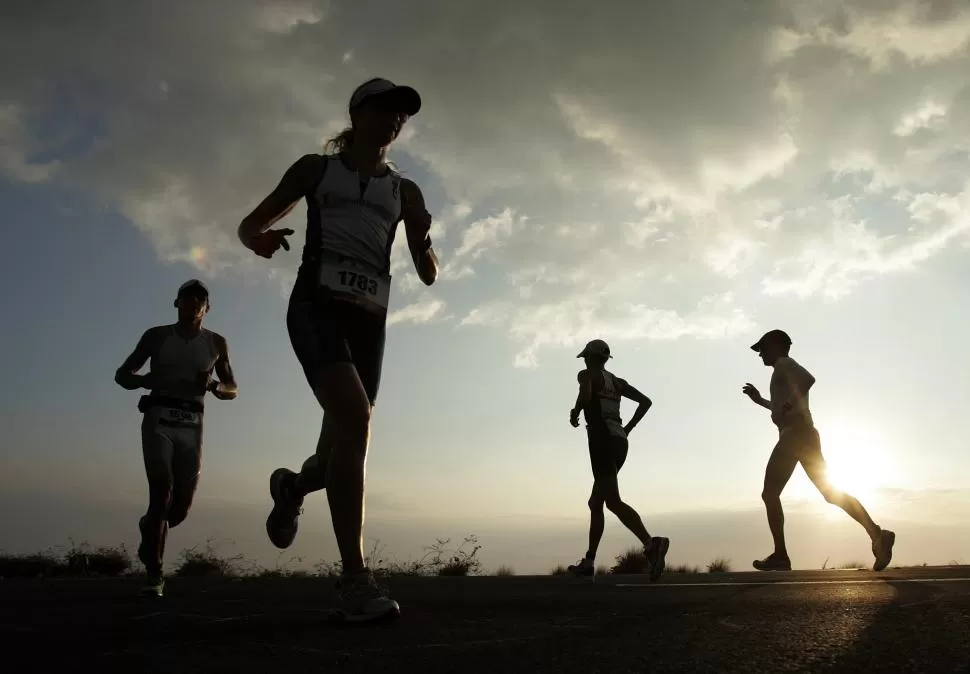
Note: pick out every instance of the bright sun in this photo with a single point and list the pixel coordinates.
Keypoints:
(858, 461)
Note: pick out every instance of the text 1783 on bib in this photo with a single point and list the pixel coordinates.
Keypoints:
(356, 284)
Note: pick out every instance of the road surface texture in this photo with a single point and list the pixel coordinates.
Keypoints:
(906, 620)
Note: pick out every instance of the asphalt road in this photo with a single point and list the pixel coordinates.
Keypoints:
(858, 621)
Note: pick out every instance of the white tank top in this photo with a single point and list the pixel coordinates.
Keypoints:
(347, 219)
(179, 361)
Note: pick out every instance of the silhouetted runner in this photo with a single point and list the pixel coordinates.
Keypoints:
(338, 312)
(600, 393)
(181, 360)
(798, 442)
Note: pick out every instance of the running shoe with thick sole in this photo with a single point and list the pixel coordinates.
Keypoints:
(772, 562)
(362, 599)
(583, 567)
(154, 586)
(882, 549)
(657, 556)
(284, 518)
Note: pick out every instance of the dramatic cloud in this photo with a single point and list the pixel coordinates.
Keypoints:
(422, 311)
(631, 167)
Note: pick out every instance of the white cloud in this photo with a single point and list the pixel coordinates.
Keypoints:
(422, 311)
(927, 116)
(577, 158)
(850, 250)
(919, 32)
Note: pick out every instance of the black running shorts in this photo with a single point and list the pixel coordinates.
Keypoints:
(325, 331)
(607, 452)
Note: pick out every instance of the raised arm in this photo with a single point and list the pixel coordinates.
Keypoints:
(127, 376)
(643, 405)
(417, 224)
(226, 388)
(298, 180)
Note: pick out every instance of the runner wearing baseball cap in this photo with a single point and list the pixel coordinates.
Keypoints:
(799, 442)
(600, 393)
(337, 313)
(181, 359)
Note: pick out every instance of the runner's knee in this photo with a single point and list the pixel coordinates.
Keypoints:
(595, 503)
(832, 495)
(771, 494)
(352, 428)
(614, 503)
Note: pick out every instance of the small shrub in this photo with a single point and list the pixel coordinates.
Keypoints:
(327, 569)
(850, 566)
(438, 560)
(632, 561)
(504, 571)
(281, 570)
(33, 565)
(461, 561)
(559, 570)
(719, 565)
(206, 562)
(683, 568)
(83, 560)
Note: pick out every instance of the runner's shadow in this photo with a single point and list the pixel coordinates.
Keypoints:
(923, 629)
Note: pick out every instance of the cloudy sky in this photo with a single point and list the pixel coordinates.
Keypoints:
(673, 177)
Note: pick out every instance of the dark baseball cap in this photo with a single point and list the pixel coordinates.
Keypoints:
(596, 348)
(407, 97)
(193, 285)
(776, 336)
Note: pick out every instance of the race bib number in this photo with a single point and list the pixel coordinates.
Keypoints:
(364, 287)
(180, 416)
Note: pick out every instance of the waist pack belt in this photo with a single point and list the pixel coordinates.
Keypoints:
(174, 411)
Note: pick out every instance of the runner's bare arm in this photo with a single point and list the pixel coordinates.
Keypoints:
(756, 397)
(582, 398)
(644, 404)
(417, 224)
(127, 376)
(294, 185)
(226, 388)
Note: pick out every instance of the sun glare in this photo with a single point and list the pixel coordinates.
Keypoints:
(859, 463)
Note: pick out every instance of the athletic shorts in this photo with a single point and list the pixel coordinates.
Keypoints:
(325, 331)
(800, 444)
(607, 452)
(171, 440)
